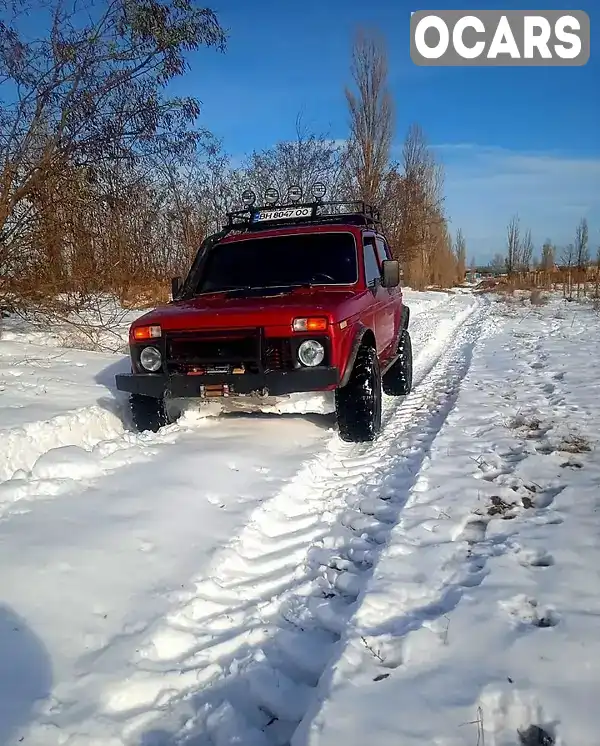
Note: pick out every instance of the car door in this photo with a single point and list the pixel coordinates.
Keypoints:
(390, 312)
(380, 296)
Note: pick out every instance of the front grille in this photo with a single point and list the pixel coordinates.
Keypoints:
(278, 354)
(188, 352)
(231, 351)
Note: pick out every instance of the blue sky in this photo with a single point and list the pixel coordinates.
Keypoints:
(513, 140)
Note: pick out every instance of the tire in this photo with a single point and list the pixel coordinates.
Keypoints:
(148, 413)
(358, 403)
(397, 381)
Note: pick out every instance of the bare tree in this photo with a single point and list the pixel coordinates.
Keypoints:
(371, 119)
(498, 263)
(567, 256)
(582, 254)
(567, 259)
(415, 204)
(526, 252)
(513, 246)
(87, 103)
(308, 159)
(548, 252)
(460, 252)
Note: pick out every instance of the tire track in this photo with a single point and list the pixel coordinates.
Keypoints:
(241, 655)
(454, 564)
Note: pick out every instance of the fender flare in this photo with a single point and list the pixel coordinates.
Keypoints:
(404, 321)
(405, 318)
(356, 343)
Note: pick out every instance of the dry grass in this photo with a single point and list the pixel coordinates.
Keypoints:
(501, 508)
(520, 421)
(574, 444)
(145, 295)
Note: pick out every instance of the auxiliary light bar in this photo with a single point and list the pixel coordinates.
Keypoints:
(299, 213)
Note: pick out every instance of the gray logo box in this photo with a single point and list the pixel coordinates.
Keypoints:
(558, 29)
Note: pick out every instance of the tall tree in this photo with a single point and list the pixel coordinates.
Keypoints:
(371, 119)
(548, 253)
(513, 246)
(460, 252)
(417, 198)
(582, 252)
(526, 252)
(568, 260)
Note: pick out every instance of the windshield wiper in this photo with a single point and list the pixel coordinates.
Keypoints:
(212, 292)
(278, 289)
(241, 290)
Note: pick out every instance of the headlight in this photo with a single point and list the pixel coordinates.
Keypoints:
(151, 359)
(311, 353)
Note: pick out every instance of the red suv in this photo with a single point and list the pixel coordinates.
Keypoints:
(285, 299)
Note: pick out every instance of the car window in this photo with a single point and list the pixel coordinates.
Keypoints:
(382, 250)
(327, 258)
(372, 270)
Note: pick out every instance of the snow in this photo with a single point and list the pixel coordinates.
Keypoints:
(480, 619)
(248, 578)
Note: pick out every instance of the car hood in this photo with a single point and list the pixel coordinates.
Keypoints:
(220, 311)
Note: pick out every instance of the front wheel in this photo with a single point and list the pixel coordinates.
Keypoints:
(358, 403)
(148, 413)
(397, 381)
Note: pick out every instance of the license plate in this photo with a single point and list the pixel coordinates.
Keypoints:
(285, 213)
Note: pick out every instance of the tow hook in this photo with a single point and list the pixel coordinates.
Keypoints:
(262, 393)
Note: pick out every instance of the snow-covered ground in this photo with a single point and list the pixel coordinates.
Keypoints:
(253, 580)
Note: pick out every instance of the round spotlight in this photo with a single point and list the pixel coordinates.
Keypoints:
(311, 353)
(271, 196)
(248, 197)
(151, 359)
(318, 190)
(294, 193)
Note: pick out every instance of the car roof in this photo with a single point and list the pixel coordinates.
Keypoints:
(299, 218)
(291, 230)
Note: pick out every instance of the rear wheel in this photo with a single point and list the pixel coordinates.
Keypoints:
(358, 403)
(148, 413)
(397, 381)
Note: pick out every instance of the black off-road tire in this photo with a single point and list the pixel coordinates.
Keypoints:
(148, 413)
(358, 403)
(397, 381)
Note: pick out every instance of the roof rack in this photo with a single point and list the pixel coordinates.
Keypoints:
(307, 213)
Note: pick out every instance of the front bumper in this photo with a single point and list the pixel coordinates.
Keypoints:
(276, 383)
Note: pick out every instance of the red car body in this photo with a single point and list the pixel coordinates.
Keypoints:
(243, 340)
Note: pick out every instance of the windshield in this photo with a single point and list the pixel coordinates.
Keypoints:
(315, 259)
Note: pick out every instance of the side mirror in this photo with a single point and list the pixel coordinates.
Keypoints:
(390, 273)
(176, 285)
